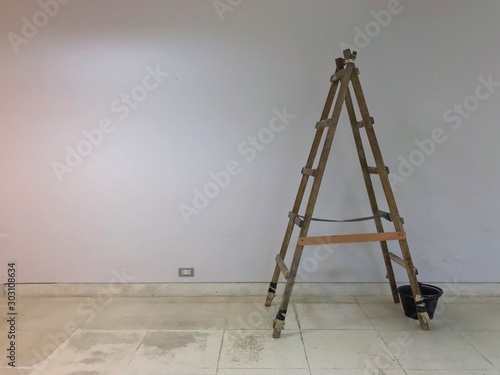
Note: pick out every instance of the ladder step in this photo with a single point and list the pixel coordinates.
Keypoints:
(361, 124)
(281, 264)
(351, 238)
(296, 219)
(324, 123)
(374, 170)
(337, 75)
(400, 261)
(308, 171)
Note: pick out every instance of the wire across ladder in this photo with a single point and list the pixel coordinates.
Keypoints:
(345, 79)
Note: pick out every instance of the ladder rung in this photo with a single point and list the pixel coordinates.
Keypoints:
(374, 170)
(350, 238)
(337, 75)
(308, 171)
(296, 219)
(281, 264)
(324, 123)
(400, 261)
(361, 124)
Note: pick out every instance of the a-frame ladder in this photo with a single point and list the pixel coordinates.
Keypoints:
(346, 75)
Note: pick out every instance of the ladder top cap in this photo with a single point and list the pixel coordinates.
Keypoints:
(348, 55)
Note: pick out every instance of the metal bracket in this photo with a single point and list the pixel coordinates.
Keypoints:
(308, 172)
(362, 123)
(324, 123)
(295, 218)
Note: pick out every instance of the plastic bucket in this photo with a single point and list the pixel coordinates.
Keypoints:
(430, 293)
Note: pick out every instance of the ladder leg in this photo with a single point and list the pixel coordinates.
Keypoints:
(303, 184)
(284, 247)
(423, 316)
(371, 194)
(279, 322)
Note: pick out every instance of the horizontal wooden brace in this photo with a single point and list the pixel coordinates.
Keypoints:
(324, 123)
(296, 219)
(400, 261)
(282, 266)
(374, 170)
(308, 171)
(361, 124)
(351, 238)
(337, 75)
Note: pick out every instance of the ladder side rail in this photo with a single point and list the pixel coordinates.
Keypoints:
(302, 188)
(280, 317)
(423, 316)
(371, 194)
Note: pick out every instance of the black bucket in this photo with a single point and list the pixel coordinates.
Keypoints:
(430, 293)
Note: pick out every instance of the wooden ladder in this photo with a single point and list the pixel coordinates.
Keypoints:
(346, 72)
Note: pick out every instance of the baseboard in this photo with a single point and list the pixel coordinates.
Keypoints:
(237, 289)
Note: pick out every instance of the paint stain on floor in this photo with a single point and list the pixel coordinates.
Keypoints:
(166, 342)
(247, 348)
(87, 340)
(96, 357)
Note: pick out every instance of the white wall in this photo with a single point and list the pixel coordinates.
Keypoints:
(119, 208)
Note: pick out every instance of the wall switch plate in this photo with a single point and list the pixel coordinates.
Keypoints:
(186, 272)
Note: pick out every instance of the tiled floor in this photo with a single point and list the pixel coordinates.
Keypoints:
(233, 336)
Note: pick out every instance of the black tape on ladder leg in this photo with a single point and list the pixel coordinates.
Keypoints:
(272, 287)
(421, 307)
(281, 315)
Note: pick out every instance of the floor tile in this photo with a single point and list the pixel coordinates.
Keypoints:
(356, 372)
(33, 346)
(452, 372)
(323, 299)
(331, 316)
(14, 371)
(347, 349)
(92, 352)
(433, 350)
(152, 315)
(267, 371)
(55, 316)
(454, 299)
(152, 369)
(256, 316)
(177, 352)
(492, 300)
(475, 317)
(185, 336)
(376, 299)
(392, 317)
(258, 349)
(486, 342)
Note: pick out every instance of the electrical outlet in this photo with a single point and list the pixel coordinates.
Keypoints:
(186, 272)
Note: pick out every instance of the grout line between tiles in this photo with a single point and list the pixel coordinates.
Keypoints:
(477, 350)
(57, 348)
(301, 337)
(379, 335)
(138, 346)
(220, 351)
